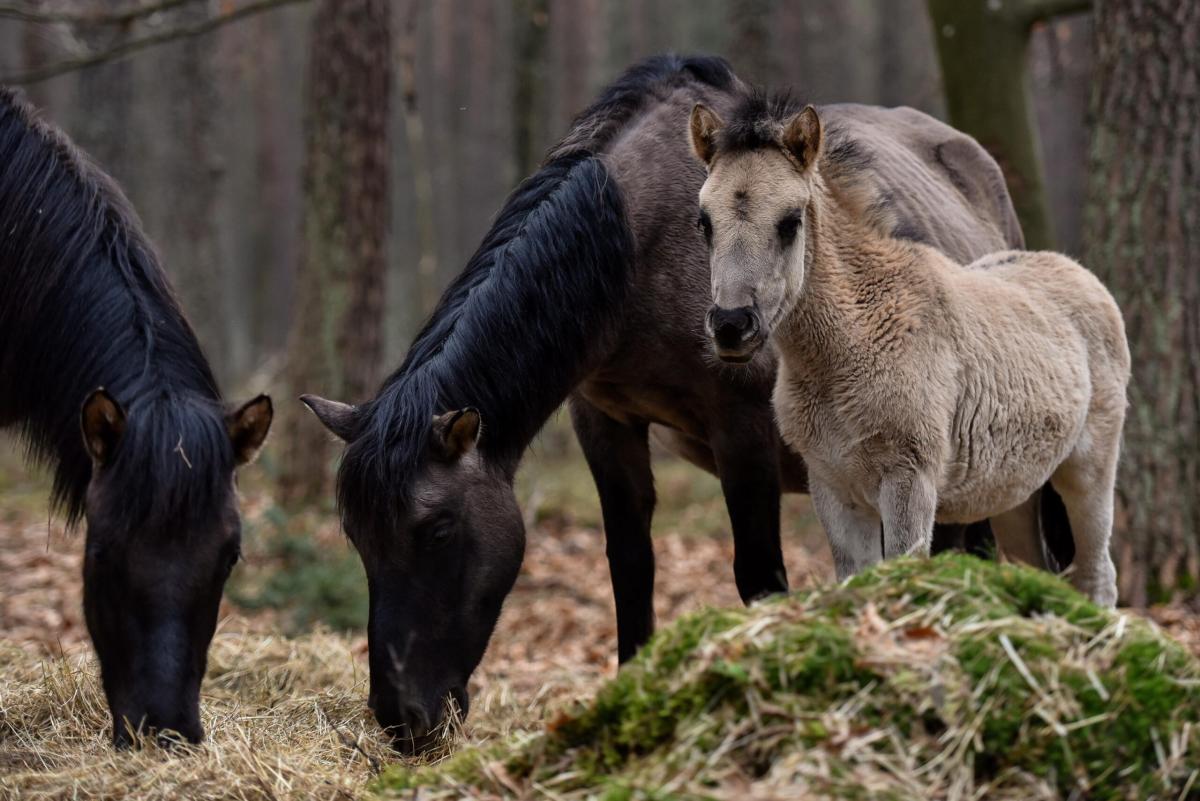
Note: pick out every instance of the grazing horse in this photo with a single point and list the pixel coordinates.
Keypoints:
(588, 287)
(102, 377)
(916, 388)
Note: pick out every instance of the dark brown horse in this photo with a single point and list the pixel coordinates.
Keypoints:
(103, 378)
(593, 285)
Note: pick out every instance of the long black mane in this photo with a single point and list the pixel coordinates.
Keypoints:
(83, 304)
(535, 307)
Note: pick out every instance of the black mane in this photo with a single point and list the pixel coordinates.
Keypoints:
(84, 303)
(530, 314)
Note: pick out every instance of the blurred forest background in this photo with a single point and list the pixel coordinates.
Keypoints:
(228, 144)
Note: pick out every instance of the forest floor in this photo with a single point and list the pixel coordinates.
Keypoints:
(284, 703)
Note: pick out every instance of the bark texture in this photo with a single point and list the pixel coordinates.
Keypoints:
(337, 339)
(1142, 237)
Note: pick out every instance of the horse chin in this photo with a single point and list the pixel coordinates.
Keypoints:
(741, 355)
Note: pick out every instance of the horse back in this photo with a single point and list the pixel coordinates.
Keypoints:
(933, 184)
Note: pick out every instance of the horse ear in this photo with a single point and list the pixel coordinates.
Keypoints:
(457, 432)
(803, 135)
(340, 418)
(248, 426)
(705, 125)
(103, 423)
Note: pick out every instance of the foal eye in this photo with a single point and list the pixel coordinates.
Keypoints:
(787, 228)
(705, 226)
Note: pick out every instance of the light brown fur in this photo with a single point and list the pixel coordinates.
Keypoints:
(918, 389)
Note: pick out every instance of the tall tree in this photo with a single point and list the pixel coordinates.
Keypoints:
(531, 20)
(188, 236)
(336, 343)
(750, 39)
(1142, 236)
(982, 48)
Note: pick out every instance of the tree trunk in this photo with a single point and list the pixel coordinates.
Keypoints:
(750, 39)
(336, 342)
(189, 233)
(531, 19)
(1142, 237)
(982, 49)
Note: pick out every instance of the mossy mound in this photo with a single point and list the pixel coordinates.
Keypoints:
(949, 678)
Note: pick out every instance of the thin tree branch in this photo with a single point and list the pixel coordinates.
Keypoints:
(124, 16)
(127, 47)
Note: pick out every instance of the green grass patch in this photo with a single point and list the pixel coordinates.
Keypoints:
(918, 679)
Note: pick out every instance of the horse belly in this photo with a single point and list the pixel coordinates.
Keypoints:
(1011, 430)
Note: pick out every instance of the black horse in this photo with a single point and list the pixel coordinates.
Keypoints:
(593, 284)
(104, 380)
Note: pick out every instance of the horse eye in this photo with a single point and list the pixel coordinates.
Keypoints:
(787, 228)
(231, 559)
(705, 226)
(437, 532)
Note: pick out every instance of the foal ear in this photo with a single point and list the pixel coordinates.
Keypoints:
(103, 423)
(705, 125)
(457, 432)
(340, 418)
(248, 426)
(803, 135)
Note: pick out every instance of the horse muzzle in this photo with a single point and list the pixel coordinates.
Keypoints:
(736, 334)
(413, 728)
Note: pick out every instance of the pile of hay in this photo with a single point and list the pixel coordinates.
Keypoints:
(285, 719)
(949, 679)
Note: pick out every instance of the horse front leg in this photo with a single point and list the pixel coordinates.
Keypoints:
(907, 505)
(853, 531)
(748, 466)
(619, 458)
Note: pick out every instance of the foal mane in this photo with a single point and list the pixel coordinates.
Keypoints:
(84, 303)
(522, 324)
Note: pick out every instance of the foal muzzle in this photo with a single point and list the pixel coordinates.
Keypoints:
(736, 333)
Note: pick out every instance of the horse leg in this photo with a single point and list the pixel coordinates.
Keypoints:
(853, 531)
(907, 504)
(619, 458)
(748, 466)
(1086, 483)
(1018, 533)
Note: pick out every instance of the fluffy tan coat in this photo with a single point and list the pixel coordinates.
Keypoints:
(915, 388)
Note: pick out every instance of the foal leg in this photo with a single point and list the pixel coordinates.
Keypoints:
(619, 458)
(907, 504)
(1086, 483)
(853, 531)
(746, 448)
(1018, 533)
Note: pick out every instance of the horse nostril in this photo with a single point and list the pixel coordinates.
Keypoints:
(730, 328)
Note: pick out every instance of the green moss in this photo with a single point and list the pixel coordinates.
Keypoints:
(946, 665)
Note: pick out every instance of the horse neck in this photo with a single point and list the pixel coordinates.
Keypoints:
(858, 285)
